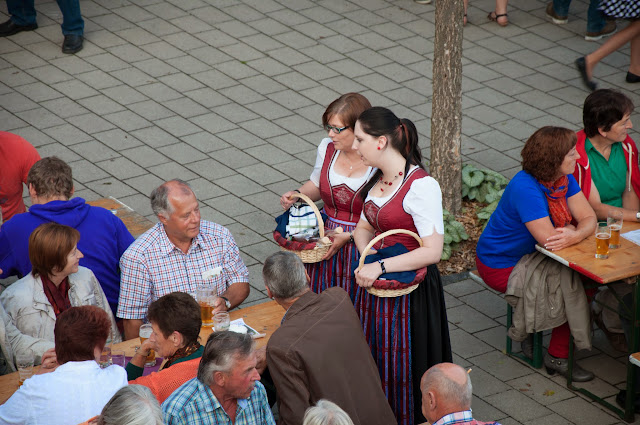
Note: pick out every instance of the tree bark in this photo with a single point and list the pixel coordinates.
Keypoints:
(446, 116)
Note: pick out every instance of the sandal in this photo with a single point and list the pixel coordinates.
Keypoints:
(493, 16)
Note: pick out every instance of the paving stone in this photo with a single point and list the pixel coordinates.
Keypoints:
(67, 134)
(231, 205)
(463, 287)
(204, 189)
(205, 142)
(156, 91)
(139, 203)
(210, 169)
(581, 412)
(466, 345)
(111, 187)
(144, 156)
(178, 126)
(500, 365)
(186, 108)
(121, 168)
(486, 302)
(468, 319)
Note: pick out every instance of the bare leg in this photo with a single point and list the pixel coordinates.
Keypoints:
(501, 9)
(466, 6)
(613, 43)
(634, 67)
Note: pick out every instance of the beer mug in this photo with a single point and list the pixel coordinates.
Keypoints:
(24, 361)
(145, 333)
(603, 236)
(614, 221)
(206, 299)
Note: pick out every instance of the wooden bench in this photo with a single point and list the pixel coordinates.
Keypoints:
(536, 361)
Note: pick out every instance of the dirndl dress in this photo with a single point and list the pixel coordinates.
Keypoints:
(407, 334)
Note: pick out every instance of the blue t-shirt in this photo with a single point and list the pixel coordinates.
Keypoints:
(506, 238)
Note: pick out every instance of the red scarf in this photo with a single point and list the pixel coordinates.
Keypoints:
(556, 193)
(58, 296)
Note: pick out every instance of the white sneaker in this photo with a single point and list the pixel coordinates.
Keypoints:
(423, 1)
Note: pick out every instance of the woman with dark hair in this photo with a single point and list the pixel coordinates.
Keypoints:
(406, 334)
(538, 206)
(176, 322)
(55, 284)
(337, 178)
(78, 389)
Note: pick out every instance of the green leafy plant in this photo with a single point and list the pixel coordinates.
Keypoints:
(482, 185)
(454, 233)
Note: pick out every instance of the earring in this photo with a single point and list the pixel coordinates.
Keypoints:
(378, 147)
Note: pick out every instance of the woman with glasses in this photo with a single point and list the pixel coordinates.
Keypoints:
(337, 178)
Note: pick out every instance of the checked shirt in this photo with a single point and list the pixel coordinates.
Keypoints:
(464, 417)
(152, 267)
(194, 404)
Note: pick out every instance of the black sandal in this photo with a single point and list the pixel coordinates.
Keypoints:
(493, 16)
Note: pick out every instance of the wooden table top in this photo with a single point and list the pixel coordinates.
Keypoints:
(136, 223)
(622, 263)
(264, 318)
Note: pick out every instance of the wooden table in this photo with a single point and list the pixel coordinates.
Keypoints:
(623, 262)
(265, 318)
(136, 223)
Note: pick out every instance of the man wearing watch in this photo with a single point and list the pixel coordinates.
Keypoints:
(179, 253)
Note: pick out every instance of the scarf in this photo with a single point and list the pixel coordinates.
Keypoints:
(185, 351)
(556, 193)
(58, 296)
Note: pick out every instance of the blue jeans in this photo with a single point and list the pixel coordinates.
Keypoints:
(595, 18)
(23, 12)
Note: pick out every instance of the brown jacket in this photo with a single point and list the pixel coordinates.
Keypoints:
(320, 352)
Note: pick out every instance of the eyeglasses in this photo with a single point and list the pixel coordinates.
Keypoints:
(336, 130)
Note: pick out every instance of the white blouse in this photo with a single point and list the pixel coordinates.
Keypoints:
(354, 183)
(423, 202)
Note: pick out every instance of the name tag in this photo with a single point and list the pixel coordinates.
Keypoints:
(208, 274)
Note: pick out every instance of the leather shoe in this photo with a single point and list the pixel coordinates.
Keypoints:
(9, 28)
(632, 78)
(72, 43)
(581, 64)
(621, 399)
(527, 346)
(554, 364)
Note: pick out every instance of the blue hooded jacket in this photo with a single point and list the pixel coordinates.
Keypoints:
(103, 240)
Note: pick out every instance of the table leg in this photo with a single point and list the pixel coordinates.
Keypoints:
(633, 348)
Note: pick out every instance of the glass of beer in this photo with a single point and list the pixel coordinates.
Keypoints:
(145, 334)
(206, 299)
(105, 357)
(221, 321)
(603, 236)
(24, 362)
(614, 220)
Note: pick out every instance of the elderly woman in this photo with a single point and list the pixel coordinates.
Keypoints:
(326, 413)
(337, 178)
(176, 322)
(78, 389)
(538, 206)
(131, 405)
(55, 284)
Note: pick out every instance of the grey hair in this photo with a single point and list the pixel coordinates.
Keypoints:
(160, 196)
(284, 274)
(219, 353)
(326, 413)
(132, 405)
(448, 389)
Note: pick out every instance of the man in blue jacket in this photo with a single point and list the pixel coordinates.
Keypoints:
(103, 236)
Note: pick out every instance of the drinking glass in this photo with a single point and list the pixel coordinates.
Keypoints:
(206, 299)
(118, 357)
(603, 235)
(105, 357)
(24, 362)
(145, 333)
(614, 220)
(221, 321)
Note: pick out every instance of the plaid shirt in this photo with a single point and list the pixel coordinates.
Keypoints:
(194, 404)
(460, 418)
(153, 266)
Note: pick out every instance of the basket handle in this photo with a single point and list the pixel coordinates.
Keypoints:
(382, 235)
(313, 207)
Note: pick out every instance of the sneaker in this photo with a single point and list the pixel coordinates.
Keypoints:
(608, 29)
(551, 14)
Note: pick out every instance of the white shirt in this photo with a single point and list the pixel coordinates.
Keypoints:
(71, 394)
(354, 183)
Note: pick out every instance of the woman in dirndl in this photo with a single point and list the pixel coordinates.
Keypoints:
(409, 333)
(337, 178)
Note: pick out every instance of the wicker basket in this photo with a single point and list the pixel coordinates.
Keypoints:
(377, 288)
(310, 255)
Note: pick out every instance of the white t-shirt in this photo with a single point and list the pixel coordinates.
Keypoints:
(71, 394)
(423, 202)
(354, 183)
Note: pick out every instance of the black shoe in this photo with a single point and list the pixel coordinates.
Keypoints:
(632, 78)
(621, 399)
(9, 28)
(581, 64)
(72, 43)
(554, 364)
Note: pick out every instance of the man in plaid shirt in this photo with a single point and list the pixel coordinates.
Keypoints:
(446, 396)
(227, 389)
(179, 253)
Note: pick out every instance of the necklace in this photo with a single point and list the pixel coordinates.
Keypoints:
(390, 182)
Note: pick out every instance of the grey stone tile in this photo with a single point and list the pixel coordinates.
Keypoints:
(158, 92)
(210, 169)
(38, 92)
(518, 405)
(231, 205)
(262, 250)
(244, 236)
(186, 108)
(40, 118)
(154, 137)
(121, 168)
(100, 105)
(214, 123)
(49, 74)
(466, 345)
(127, 120)
(182, 153)
(205, 142)
(94, 151)
(500, 365)
(84, 171)
(214, 79)
(177, 126)
(468, 319)
(159, 27)
(235, 159)
(98, 79)
(581, 412)
(239, 185)
(149, 70)
(486, 302)
(170, 171)
(107, 62)
(59, 150)
(139, 203)
(144, 156)
(144, 183)
(67, 134)
(124, 94)
(111, 187)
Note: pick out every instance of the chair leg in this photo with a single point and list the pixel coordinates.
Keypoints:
(537, 344)
(509, 318)
(537, 350)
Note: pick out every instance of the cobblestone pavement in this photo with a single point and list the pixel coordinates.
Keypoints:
(228, 95)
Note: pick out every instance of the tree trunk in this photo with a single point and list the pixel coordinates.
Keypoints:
(446, 116)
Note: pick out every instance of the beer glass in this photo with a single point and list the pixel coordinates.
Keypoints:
(603, 236)
(24, 362)
(105, 357)
(118, 357)
(614, 220)
(206, 299)
(145, 334)
(221, 321)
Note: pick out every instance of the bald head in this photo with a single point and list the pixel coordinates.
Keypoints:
(160, 197)
(446, 388)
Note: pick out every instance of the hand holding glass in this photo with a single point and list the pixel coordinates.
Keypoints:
(614, 220)
(145, 333)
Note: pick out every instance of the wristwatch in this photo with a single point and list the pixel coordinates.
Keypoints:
(382, 266)
(227, 303)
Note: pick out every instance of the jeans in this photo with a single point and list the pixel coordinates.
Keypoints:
(23, 12)
(595, 18)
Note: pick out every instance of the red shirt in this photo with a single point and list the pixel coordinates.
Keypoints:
(17, 156)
